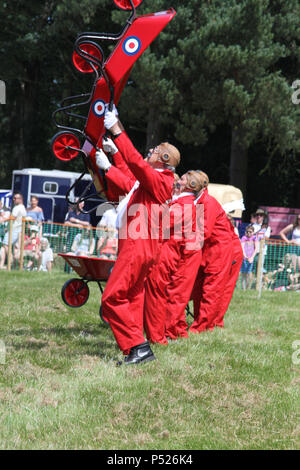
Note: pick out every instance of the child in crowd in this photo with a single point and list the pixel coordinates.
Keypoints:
(250, 248)
(107, 246)
(46, 256)
(32, 246)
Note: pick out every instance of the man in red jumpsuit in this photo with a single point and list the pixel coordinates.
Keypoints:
(175, 249)
(123, 297)
(236, 263)
(178, 291)
(215, 267)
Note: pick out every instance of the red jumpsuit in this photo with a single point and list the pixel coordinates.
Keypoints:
(178, 291)
(181, 225)
(119, 178)
(215, 266)
(236, 263)
(123, 296)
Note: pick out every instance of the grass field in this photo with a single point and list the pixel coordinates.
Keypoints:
(235, 388)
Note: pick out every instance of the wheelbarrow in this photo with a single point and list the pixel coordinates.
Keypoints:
(75, 292)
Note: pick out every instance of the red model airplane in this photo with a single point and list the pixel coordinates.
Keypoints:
(111, 75)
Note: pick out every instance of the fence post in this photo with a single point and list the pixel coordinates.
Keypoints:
(22, 245)
(9, 253)
(260, 265)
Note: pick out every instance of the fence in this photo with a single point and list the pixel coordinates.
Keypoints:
(276, 267)
(281, 266)
(35, 246)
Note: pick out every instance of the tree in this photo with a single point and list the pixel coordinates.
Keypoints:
(227, 67)
(36, 45)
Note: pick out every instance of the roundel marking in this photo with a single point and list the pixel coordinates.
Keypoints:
(99, 108)
(131, 45)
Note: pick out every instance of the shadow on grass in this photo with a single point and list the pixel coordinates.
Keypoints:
(69, 341)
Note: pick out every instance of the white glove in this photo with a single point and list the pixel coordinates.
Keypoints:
(102, 160)
(109, 146)
(114, 109)
(111, 117)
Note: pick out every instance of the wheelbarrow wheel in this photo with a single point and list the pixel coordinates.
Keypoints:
(83, 65)
(126, 5)
(101, 316)
(75, 293)
(61, 143)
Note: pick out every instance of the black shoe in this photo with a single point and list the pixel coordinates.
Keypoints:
(139, 354)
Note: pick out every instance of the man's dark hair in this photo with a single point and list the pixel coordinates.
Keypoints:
(19, 194)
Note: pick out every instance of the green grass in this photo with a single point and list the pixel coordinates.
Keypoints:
(235, 388)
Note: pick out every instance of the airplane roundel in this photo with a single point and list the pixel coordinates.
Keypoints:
(131, 45)
(99, 108)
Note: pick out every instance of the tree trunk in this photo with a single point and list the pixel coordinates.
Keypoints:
(29, 115)
(20, 148)
(238, 160)
(154, 129)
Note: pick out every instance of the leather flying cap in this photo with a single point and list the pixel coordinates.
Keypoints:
(170, 154)
(196, 180)
(205, 179)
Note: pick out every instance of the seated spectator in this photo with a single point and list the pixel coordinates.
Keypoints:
(18, 212)
(45, 257)
(74, 221)
(107, 245)
(34, 212)
(250, 248)
(280, 278)
(83, 244)
(32, 247)
(293, 231)
(75, 217)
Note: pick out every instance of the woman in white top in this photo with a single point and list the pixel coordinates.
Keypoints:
(294, 241)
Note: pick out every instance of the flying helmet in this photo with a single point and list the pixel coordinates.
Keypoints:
(196, 180)
(170, 155)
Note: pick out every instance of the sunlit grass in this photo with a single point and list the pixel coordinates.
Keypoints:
(235, 388)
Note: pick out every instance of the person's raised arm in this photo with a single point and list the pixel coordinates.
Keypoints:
(115, 176)
(152, 181)
(110, 147)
